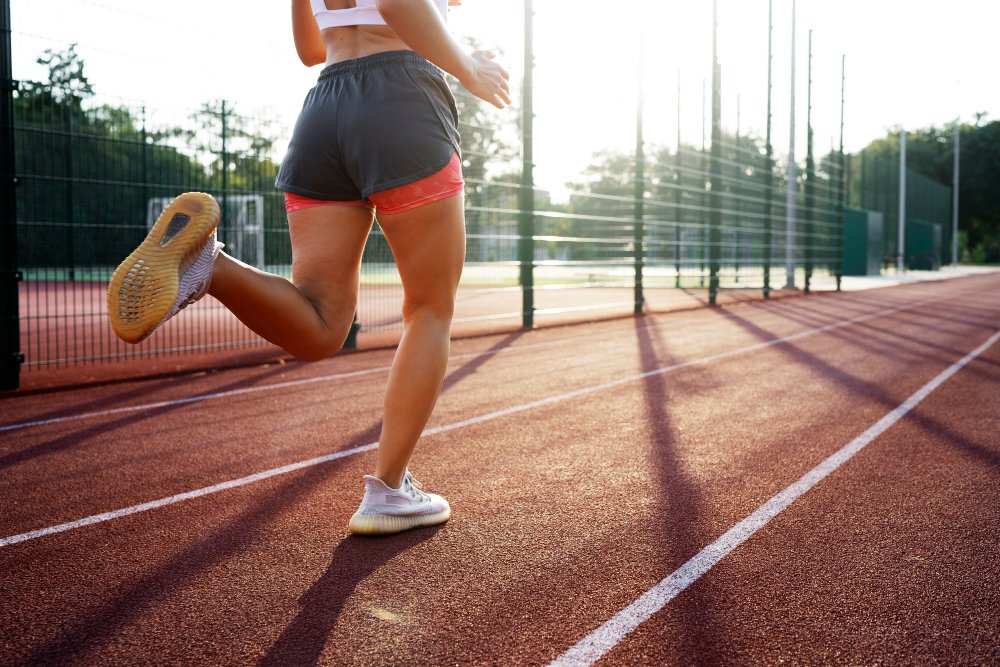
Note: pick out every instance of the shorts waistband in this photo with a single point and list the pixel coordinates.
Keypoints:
(376, 61)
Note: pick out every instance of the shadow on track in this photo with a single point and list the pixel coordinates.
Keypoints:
(78, 437)
(871, 391)
(680, 500)
(355, 558)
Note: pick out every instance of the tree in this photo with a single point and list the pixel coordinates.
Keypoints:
(930, 152)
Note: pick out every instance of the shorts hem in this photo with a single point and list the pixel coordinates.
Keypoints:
(411, 178)
(429, 199)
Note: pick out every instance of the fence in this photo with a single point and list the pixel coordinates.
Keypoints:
(635, 231)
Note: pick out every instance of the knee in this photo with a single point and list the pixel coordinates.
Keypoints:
(441, 310)
(325, 342)
(316, 350)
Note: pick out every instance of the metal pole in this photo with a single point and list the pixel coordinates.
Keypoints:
(10, 339)
(791, 193)
(526, 197)
(715, 228)
(769, 159)
(809, 240)
(677, 189)
(702, 173)
(901, 238)
(639, 232)
(954, 196)
(842, 181)
(224, 195)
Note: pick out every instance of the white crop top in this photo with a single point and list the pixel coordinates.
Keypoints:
(364, 13)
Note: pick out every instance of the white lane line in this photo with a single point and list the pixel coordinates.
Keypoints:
(243, 481)
(322, 378)
(592, 647)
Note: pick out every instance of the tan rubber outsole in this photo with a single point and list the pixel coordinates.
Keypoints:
(145, 286)
(382, 524)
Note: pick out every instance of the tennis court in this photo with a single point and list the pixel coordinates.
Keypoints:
(803, 479)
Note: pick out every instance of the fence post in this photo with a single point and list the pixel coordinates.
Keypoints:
(639, 228)
(901, 230)
(10, 340)
(678, 212)
(715, 223)
(526, 193)
(792, 192)
(843, 182)
(224, 158)
(809, 239)
(769, 159)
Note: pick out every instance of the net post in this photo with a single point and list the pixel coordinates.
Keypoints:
(10, 341)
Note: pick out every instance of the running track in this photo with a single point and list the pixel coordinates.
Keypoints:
(812, 480)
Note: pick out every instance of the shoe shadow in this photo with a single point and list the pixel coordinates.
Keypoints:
(354, 560)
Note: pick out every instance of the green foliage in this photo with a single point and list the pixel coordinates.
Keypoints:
(88, 171)
(930, 152)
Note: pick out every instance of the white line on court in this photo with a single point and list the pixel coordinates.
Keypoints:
(592, 647)
(322, 378)
(250, 479)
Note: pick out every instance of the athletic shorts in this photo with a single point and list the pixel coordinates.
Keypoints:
(374, 125)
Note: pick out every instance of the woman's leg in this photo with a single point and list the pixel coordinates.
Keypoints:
(428, 243)
(309, 316)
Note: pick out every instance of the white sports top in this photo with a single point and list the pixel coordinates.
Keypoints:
(364, 13)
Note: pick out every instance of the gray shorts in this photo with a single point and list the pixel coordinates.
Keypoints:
(368, 125)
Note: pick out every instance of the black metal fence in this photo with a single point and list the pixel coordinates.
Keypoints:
(93, 173)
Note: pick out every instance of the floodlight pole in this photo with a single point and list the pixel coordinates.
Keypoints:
(791, 193)
(954, 196)
(901, 237)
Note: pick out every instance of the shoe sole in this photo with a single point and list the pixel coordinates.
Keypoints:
(145, 286)
(384, 524)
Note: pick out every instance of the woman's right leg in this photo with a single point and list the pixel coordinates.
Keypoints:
(428, 243)
(309, 316)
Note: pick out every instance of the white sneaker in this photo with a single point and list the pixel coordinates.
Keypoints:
(385, 510)
(169, 270)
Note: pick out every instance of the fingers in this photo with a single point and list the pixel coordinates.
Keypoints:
(494, 80)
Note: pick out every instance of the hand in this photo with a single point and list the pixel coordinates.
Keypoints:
(487, 80)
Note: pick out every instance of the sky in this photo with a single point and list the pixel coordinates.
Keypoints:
(908, 65)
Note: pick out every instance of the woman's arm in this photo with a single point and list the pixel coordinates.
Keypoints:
(308, 41)
(419, 25)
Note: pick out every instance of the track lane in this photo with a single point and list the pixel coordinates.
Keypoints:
(891, 560)
(254, 573)
(202, 427)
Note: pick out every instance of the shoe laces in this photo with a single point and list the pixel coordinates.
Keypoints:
(411, 487)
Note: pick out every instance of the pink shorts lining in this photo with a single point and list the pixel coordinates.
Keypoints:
(440, 185)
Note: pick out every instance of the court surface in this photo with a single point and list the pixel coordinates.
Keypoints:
(808, 480)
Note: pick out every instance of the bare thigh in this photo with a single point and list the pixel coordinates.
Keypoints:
(327, 245)
(428, 243)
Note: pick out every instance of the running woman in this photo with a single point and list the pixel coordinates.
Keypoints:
(378, 133)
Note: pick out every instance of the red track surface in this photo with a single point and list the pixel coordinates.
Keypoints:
(565, 511)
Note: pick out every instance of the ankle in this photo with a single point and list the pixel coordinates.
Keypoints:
(390, 479)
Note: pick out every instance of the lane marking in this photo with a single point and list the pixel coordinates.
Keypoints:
(595, 645)
(266, 474)
(322, 378)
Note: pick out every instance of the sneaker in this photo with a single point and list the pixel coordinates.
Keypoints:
(386, 510)
(170, 269)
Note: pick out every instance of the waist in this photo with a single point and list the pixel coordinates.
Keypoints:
(377, 61)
